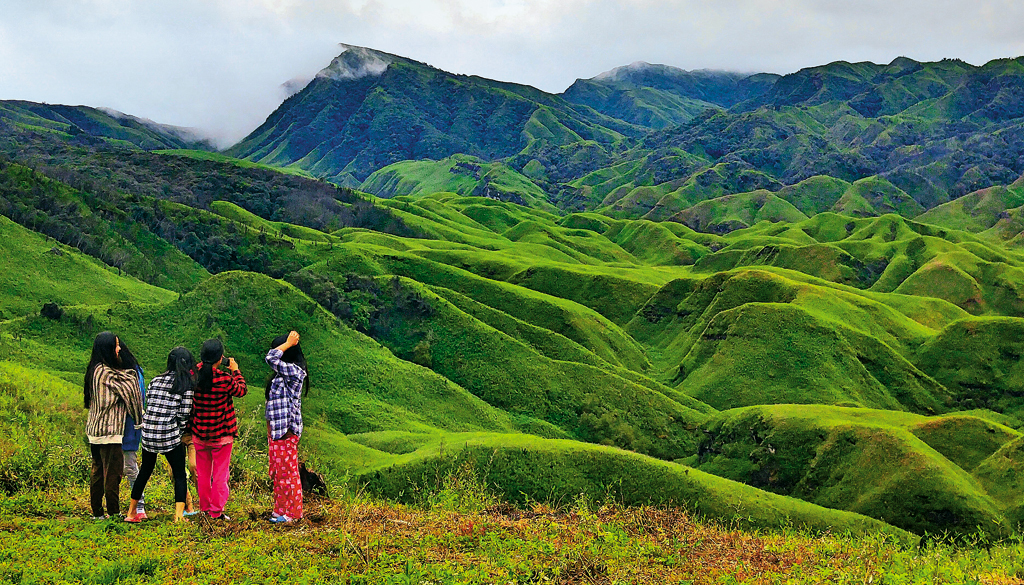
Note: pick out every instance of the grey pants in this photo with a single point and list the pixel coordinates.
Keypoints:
(131, 472)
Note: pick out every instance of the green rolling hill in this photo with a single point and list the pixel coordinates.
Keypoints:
(760, 372)
(776, 301)
(98, 126)
(658, 96)
(369, 109)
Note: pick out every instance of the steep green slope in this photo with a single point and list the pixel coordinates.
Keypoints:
(779, 353)
(978, 360)
(84, 124)
(757, 337)
(731, 212)
(37, 271)
(1001, 475)
(98, 227)
(551, 470)
(370, 109)
(460, 174)
(901, 468)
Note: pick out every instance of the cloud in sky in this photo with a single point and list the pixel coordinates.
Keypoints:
(219, 65)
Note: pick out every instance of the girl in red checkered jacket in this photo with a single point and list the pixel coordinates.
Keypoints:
(284, 424)
(214, 426)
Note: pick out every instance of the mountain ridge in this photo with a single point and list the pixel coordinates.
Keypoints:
(653, 133)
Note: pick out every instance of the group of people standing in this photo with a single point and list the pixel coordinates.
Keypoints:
(187, 414)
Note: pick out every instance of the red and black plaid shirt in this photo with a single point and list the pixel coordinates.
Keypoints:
(213, 414)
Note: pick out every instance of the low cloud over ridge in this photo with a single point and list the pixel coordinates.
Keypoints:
(224, 65)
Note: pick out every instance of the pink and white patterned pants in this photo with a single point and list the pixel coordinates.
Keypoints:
(284, 472)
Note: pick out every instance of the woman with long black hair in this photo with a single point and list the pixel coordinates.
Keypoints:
(170, 404)
(284, 424)
(111, 392)
(214, 426)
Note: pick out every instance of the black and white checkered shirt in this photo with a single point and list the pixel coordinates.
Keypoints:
(166, 415)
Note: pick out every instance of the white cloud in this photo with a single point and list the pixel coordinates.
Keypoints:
(219, 64)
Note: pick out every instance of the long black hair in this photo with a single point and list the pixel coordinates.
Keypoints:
(104, 352)
(180, 363)
(210, 354)
(293, 355)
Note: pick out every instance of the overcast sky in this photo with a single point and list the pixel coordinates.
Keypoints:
(219, 65)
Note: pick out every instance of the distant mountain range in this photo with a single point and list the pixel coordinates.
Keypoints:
(651, 140)
(787, 349)
(99, 126)
(639, 141)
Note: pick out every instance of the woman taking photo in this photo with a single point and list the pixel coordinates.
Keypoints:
(170, 402)
(284, 424)
(111, 392)
(214, 426)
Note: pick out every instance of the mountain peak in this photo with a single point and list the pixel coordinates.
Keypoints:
(619, 73)
(356, 63)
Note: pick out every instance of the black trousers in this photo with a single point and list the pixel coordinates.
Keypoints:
(176, 458)
(105, 480)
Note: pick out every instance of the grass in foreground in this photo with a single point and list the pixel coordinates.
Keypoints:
(456, 536)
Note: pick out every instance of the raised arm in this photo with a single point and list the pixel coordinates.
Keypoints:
(237, 387)
(234, 384)
(290, 372)
(283, 368)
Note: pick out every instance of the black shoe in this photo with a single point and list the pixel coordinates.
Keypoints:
(223, 517)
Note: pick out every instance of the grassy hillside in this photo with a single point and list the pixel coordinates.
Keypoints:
(39, 271)
(381, 392)
(217, 157)
(912, 471)
(91, 125)
(570, 351)
(98, 227)
(465, 175)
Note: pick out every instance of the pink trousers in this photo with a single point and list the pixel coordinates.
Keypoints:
(284, 472)
(213, 468)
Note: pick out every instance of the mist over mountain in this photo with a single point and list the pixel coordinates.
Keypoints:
(647, 140)
(657, 96)
(369, 109)
(101, 124)
(796, 300)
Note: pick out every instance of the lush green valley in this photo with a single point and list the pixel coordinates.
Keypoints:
(776, 303)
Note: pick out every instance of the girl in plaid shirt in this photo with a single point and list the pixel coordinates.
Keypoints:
(284, 424)
(214, 425)
(165, 421)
